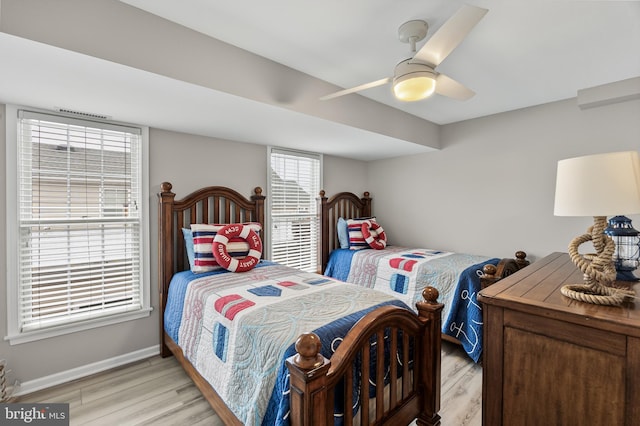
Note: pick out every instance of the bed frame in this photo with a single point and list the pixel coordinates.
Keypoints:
(410, 394)
(348, 206)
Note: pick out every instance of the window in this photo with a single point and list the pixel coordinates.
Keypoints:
(80, 225)
(294, 185)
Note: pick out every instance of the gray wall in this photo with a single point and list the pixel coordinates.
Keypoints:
(204, 161)
(490, 189)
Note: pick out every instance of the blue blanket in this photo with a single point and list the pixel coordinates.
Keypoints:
(339, 264)
(464, 321)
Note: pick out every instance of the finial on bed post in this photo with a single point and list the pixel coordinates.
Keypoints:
(488, 276)
(521, 259)
(431, 310)
(307, 382)
(166, 187)
(308, 347)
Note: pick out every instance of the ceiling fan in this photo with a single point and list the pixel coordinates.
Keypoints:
(415, 78)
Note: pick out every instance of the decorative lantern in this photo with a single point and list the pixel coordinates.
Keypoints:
(627, 254)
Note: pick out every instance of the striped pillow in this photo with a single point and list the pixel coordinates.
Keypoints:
(354, 229)
(203, 235)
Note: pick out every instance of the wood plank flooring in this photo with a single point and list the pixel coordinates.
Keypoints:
(156, 392)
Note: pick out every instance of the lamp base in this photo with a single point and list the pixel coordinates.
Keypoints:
(597, 294)
(598, 269)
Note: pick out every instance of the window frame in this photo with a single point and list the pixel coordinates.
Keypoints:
(14, 334)
(270, 197)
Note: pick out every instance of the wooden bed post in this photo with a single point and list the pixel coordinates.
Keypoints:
(430, 310)
(324, 232)
(366, 202)
(307, 383)
(258, 198)
(165, 257)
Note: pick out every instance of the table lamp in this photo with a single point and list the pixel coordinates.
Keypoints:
(598, 185)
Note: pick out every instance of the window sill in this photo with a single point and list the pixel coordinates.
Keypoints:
(31, 336)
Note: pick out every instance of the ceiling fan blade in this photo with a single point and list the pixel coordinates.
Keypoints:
(446, 86)
(450, 35)
(357, 88)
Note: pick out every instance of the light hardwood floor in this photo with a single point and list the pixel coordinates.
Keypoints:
(157, 392)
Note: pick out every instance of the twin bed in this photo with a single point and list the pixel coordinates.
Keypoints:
(404, 271)
(275, 345)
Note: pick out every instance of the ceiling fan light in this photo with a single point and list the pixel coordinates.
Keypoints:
(414, 86)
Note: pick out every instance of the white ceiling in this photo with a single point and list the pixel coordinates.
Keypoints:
(522, 53)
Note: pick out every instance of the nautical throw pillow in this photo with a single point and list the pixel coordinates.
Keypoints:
(223, 239)
(203, 236)
(374, 235)
(354, 228)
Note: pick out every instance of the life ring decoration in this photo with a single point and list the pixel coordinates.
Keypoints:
(378, 242)
(234, 264)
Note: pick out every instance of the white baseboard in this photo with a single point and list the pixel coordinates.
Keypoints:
(85, 370)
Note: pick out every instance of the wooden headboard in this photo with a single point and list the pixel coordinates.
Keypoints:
(344, 204)
(213, 204)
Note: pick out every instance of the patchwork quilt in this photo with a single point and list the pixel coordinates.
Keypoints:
(238, 328)
(404, 273)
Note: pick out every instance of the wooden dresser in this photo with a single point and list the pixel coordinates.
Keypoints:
(551, 360)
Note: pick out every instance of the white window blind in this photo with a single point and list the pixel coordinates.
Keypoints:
(79, 220)
(294, 184)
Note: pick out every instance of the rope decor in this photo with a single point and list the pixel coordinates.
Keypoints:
(5, 392)
(598, 269)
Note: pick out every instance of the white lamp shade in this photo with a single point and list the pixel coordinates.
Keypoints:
(598, 185)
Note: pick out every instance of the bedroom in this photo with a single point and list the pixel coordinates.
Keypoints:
(512, 157)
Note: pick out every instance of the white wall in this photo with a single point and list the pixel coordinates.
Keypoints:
(188, 162)
(490, 190)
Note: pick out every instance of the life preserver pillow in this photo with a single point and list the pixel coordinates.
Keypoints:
(377, 239)
(233, 264)
(202, 238)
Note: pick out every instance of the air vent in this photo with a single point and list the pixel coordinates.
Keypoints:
(84, 114)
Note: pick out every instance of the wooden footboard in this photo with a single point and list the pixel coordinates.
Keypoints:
(395, 334)
(505, 267)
